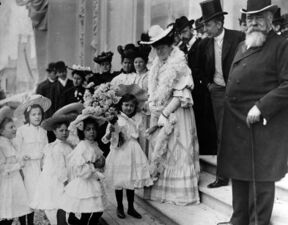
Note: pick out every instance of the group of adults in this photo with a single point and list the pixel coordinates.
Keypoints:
(236, 83)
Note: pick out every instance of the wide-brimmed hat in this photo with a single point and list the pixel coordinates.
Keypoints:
(60, 66)
(211, 9)
(128, 51)
(78, 123)
(277, 18)
(156, 33)
(36, 99)
(133, 89)
(51, 67)
(181, 23)
(49, 124)
(5, 112)
(74, 108)
(199, 23)
(103, 57)
(82, 71)
(257, 6)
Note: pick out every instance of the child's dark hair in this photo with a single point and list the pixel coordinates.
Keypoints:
(4, 122)
(128, 98)
(28, 110)
(87, 121)
(57, 125)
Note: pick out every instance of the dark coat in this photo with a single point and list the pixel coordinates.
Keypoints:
(58, 93)
(98, 78)
(231, 40)
(258, 76)
(45, 89)
(71, 95)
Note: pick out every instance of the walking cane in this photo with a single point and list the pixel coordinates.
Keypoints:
(251, 139)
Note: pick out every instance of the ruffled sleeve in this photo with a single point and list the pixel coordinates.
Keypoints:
(183, 87)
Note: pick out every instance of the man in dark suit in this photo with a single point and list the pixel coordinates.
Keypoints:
(253, 151)
(61, 86)
(45, 87)
(216, 55)
(206, 129)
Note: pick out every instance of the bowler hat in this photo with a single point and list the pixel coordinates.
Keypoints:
(211, 9)
(51, 67)
(181, 23)
(60, 66)
(258, 6)
(277, 18)
(103, 57)
(128, 51)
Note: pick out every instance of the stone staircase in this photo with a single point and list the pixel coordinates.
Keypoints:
(216, 204)
(220, 199)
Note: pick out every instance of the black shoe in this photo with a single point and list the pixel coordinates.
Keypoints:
(218, 183)
(120, 213)
(225, 223)
(132, 212)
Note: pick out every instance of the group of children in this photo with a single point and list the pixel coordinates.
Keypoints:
(62, 181)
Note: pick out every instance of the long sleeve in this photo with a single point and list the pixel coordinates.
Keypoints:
(8, 165)
(61, 166)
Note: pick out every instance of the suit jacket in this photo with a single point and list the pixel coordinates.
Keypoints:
(58, 93)
(45, 89)
(258, 76)
(231, 40)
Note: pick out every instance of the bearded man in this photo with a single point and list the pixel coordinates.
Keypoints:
(254, 140)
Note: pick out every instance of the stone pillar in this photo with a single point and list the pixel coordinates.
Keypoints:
(63, 29)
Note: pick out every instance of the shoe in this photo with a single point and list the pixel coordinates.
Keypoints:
(120, 213)
(218, 183)
(134, 213)
(225, 223)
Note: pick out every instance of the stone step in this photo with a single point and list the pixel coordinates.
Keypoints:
(183, 215)
(209, 163)
(220, 199)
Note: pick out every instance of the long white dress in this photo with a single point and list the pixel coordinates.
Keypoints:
(126, 166)
(85, 193)
(50, 187)
(174, 148)
(31, 141)
(13, 195)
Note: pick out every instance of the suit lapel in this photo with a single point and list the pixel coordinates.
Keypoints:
(226, 46)
(244, 53)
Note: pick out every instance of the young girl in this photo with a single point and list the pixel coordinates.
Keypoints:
(31, 139)
(85, 193)
(127, 165)
(54, 175)
(13, 195)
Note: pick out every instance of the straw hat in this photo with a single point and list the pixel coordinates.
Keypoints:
(49, 123)
(5, 112)
(44, 102)
(156, 33)
(74, 108)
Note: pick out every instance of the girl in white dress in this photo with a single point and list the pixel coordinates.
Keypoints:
(31, 139)
(13, 195)
(54, 175)
(85, 193)
(127, 166)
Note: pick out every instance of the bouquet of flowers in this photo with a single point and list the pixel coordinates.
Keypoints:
(102, 103)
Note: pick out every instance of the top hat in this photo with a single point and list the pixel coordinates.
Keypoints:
(156, 33)
(211, 9)
(199, 23)
(51, 67)
(104, 57)
(258, 6)
(277, 18)
(60, 66)
(181, 23)
(128, 51)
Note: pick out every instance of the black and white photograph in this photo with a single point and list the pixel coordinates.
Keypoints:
(143, 112)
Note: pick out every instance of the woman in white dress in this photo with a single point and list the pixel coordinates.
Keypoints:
(13, 195)
(31, 139)
(174, 145)
(127, 75)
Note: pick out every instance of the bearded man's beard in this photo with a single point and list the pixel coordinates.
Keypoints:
(255, 37)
